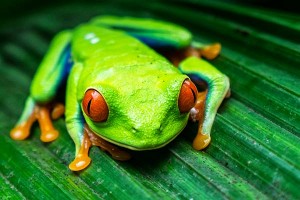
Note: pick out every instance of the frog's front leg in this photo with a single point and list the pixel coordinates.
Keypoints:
(82, 136)
(217, 90)
(82, 159)
(89, 139)
(44, 86)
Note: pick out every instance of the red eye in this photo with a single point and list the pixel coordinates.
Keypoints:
(94, 106)
(187, 97)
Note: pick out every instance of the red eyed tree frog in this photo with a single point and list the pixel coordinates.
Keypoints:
(120, 91)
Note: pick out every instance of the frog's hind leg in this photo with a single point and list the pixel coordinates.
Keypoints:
(22, 129)
(43, 115)
(217, 90)
(44, 87)
(33, 113)
(196, 49)
(155, 33)
(208, 51)
(165, 37)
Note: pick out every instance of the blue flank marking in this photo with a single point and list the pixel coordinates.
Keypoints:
(195, 77)
(152, 42)
(68, 62)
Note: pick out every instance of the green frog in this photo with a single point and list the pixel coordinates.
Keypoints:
(120, 91)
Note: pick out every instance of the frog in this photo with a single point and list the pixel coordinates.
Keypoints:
(131, 83)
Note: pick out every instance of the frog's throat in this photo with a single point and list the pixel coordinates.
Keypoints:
(139, 149)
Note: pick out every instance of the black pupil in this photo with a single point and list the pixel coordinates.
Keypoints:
(89, 106)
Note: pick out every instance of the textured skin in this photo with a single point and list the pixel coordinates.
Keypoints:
(140, 87)
(114, 56)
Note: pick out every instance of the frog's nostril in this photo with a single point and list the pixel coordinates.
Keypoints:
(154, 128)
(134, 130)
(160, 127)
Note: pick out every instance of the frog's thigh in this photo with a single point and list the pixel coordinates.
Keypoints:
(152, 32)
(52, 70)
(218, 88)
(43, 89)
(48, 78)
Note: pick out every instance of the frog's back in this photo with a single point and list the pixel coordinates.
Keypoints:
(90, 43)
(113, 56)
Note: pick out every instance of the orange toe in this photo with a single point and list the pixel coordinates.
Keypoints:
(20, 132)
(80, 163)
(201, 141)
(49, 136)
(210, 52)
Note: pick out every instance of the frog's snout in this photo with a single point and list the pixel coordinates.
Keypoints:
(153, 128)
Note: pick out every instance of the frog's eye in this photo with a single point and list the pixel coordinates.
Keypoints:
(94, 106)
(187, 97)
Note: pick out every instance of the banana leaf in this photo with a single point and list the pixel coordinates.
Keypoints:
(255, 148)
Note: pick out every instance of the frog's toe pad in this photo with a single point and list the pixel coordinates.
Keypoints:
(19, 133)
(80, 163)
(58, 111)
(49, 136)
(201, 141)
(210, 52)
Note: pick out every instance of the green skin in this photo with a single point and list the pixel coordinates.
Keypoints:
(140, 86)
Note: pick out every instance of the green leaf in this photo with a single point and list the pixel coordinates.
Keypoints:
(255, 149)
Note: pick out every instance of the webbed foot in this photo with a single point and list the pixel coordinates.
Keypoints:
(209, 52)
(82, 159)
(22, 131)
(113, 150)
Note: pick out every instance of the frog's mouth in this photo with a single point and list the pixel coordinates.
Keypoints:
(145, 144)
(138, 148)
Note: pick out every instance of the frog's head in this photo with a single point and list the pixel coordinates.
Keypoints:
(139, 112)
